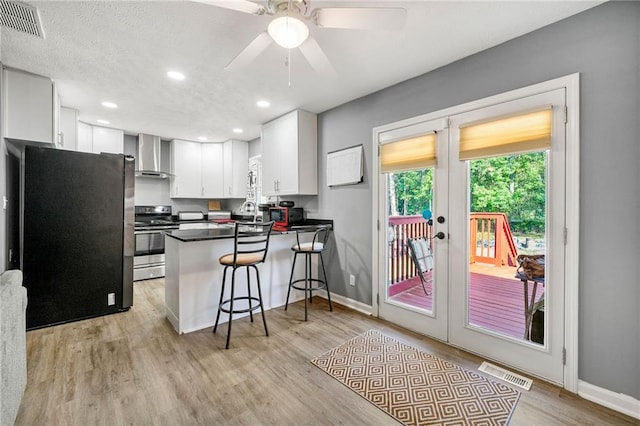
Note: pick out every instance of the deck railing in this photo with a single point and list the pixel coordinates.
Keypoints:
(401, 228)
(490, 238)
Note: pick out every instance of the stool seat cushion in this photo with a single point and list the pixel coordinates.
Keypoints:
(314, 247)
(243, 259)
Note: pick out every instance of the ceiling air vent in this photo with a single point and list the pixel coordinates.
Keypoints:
(20, 17)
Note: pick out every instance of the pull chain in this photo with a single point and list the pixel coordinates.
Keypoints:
(289, 66)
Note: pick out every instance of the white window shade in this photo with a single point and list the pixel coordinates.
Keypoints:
(509, 135)
(413, 153)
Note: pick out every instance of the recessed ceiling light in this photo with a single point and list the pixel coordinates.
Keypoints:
(108, 104)
(202, 138)
(176, 75)
(237, 130)
(263, 104)
(102, 121)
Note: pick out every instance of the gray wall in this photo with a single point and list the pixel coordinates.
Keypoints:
(603, 44)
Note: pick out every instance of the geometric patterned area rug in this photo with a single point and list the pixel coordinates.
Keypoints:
(414, 387)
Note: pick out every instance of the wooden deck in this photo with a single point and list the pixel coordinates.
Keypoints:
(496, 298)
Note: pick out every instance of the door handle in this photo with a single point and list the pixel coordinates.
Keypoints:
(440, 235)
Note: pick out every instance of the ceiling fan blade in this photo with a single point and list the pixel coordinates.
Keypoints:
(360, 18)
(239, 5)
(249, 53)
(317, 58)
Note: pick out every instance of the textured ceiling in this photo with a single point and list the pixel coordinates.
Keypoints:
(121, 50)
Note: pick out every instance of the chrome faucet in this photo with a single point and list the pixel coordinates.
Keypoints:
(245, 208)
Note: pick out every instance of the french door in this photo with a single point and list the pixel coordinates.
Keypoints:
(429, 318)
(469, 301)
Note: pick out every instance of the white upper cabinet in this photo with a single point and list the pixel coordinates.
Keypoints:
(212, 155)
(290, 155)
(108, 140)
(98, 139)
(209, 170)
(28, 106)
(85, 137)
(186, 168)
(68, 138)
(236, 168)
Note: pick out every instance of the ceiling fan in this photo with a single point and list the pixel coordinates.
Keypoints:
(289, 29)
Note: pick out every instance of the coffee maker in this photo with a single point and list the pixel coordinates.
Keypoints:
(263, 211)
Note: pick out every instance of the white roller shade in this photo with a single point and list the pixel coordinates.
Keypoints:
(509, 135)
(417, 152)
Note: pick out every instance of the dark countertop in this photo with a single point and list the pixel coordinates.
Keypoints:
(226, 231)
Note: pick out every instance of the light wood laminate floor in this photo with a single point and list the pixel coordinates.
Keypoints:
(132, 368)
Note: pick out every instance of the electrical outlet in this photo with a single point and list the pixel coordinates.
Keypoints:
(111, 299)
(352, 280)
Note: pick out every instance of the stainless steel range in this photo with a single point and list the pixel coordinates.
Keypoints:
(151, 222)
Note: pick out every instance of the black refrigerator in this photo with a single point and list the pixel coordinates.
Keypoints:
(77, 234)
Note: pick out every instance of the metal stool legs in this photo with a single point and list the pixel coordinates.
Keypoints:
(232, 298)
(308, 281)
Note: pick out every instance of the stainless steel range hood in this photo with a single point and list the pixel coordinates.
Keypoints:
(149, 157)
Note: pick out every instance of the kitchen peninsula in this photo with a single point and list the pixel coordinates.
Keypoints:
(194, 276)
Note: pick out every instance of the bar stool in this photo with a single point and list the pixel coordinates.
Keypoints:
(316, 246)
(251, 243)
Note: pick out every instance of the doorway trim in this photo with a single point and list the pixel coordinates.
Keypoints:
(571, 84)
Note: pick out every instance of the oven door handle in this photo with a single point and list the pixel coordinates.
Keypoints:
(159, 231)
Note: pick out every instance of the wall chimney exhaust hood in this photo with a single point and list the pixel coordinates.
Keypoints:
(149, 158)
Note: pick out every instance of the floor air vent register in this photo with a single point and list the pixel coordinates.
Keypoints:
(20, 17)
(506, 375)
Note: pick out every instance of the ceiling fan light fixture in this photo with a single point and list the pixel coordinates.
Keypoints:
(288, 32)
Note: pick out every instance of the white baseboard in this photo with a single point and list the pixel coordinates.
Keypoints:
(349, 303)
(616, 401)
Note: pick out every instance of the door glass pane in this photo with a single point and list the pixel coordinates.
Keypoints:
(507, 219)
(410, 254)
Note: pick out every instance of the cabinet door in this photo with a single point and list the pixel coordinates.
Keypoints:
(28, 106)
(85, 137)
(108, 140)
(268, 135)
(69, 128)
(212, 170)
(287, 148)
(187, 169)
(236, 167)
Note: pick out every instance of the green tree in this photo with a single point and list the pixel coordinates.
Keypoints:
(512, 184)
(413, 190)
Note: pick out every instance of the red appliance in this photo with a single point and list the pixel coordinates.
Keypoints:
(283, 217)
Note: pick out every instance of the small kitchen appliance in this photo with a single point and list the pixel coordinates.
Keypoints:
(283, 217)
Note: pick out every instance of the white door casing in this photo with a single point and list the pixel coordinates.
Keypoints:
(570, 273)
